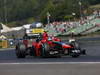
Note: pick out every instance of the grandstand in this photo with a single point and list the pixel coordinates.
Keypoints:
(51, 30)
(85, 27)
(94, 28)
(90, 25)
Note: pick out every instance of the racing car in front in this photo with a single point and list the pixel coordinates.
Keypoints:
(48, 47)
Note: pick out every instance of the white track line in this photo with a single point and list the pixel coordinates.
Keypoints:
(44, 63)
(4, 49)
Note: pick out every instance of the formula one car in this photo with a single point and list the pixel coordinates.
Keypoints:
(48, 47)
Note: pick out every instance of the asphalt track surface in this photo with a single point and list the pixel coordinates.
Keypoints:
(84, 65)
(50, 69)
(92, 46)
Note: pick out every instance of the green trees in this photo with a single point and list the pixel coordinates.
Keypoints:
(26, 11)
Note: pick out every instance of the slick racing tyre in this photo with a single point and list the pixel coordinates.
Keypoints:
(20, 51)
(75, 55)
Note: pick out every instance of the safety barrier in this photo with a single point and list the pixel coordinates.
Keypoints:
(3, 44)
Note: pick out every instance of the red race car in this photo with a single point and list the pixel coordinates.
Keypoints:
(47, 47)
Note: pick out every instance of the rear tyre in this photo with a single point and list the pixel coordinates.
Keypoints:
(20, 51)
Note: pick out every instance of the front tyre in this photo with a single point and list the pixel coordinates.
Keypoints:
(75, 55)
